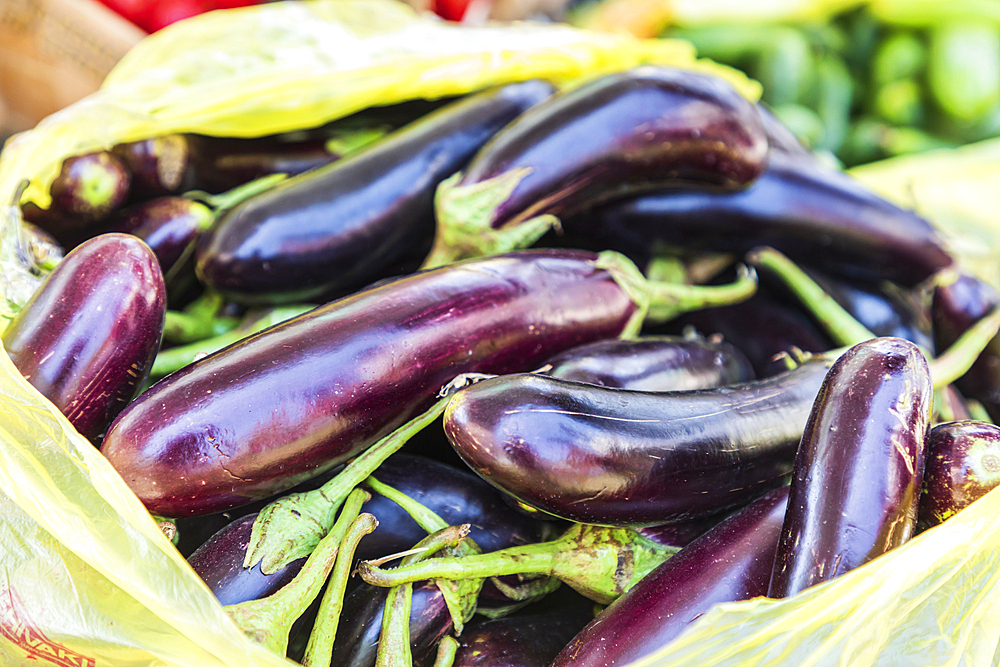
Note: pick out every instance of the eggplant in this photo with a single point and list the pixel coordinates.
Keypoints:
(87, 338)
(301, 397)
(959, 300)
(617, 457)
(619, 134)
(339, 227)
(859, 468)
(529, 640)
(653, 363)
(730, 562)
(819, 217)
(963, 465)
(158, 165)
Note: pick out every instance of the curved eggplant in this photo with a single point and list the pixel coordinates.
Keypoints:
(730, 562)
(622, 133)
(963, 465)
(815, 215)
(858, 470)
(653, 363)
(338, 227)
(616, 457)
(959, 301)
(87, 338)
(288, 403)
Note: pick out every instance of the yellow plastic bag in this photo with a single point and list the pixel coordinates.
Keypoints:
(292, 65)
(86, 578)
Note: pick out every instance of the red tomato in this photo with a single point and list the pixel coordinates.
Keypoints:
(165, 12)
(453, 10)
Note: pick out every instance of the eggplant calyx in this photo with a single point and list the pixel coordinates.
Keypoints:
(226, 200)
(268, 621)
(465, 215)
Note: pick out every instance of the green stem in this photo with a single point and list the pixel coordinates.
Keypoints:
(394, 640)
(320, 647)
(588, 558)
(183, 328)
(954, 362)
(837, 322)
(175, 358)
(291, 526)
(424, 516)
(446, 652)
(269, 620)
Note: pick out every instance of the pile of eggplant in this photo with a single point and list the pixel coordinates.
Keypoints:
(529, 377)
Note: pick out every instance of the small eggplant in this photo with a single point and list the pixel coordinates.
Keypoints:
(619, 134)
(339, 227)
(653, 363)
(87, 338)
(616, 457)
(730, 562)
(963, 465)
(960, 299)
(158, 165)
(301, 397)
(819, 217)
(858, 470)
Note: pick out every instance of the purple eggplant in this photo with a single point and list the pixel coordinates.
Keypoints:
(339, 227)
(87, 338)
(617, 457)
(817, 216)
(619, 134)
(859, 468)
(158, 165)
(299, 398)
(730, 562)
(961, 299)
(528, 640)
(963, 465)
(653, 363)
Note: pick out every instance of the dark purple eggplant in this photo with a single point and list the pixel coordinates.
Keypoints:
(88, 188)
(817, 216)
(529, 640)
(617, 457)
(963, 465)
(299, 398)
(653, 363)
(158, 164)
(622, 133)
(730, 562)
(859, 468)
(763, 327)
(960, 299)
(339, 227)
(87, 338)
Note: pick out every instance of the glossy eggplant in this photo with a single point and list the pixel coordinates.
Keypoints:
(529, 640)
(963, 465)
(87, 338)
(625, 132)
(730, 562)
(858, 470)
(338, 227)
(288, 403)
(817, 216)
(960, 299)
(158, 165)
(617, 457)
(653, 363)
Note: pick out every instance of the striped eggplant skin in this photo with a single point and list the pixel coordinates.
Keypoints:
(963, 465)
(289, 403)
(959, 300)
(607, 456)
(653, 363)
(859, 469)
(730, 562)
(339, 227)
(87, 338)
(817, 216)
(622, 133)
